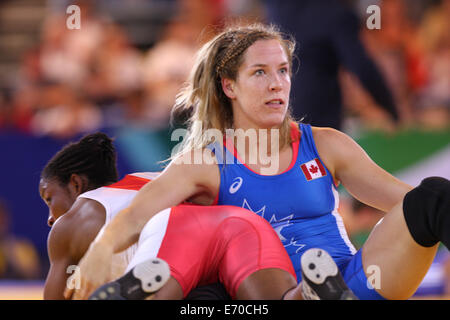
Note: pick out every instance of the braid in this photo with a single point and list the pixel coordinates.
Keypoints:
(93, 156)
(236, 47)
(239, 41)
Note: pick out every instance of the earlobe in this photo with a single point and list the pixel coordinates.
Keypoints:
(228, 88)
(76, 184)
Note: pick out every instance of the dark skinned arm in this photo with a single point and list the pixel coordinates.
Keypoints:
(67, 242)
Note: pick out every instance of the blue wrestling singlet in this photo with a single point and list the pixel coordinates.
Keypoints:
(301, 203)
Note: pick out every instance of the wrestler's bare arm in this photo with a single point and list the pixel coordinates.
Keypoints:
(180, 181)
(58, 244)
(67, 242)
(360, 175)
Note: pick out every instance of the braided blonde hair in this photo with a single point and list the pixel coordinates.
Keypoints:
(220, 58)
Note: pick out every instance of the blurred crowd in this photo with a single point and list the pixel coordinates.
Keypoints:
(77, 81)
(81, 80)
(412, 50)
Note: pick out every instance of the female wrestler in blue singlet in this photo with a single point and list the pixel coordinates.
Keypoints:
(242, 81)
(301, 203)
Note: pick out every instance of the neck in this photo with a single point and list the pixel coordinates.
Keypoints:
(246, 138)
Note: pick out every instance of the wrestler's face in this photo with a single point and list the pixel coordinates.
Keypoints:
(260, 93)
(57, 197)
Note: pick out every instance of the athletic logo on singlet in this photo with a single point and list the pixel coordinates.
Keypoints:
(278, 226)
(235, 185)
(313, 169)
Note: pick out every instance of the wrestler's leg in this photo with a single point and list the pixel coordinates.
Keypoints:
(254, 263)
(403, 244)
(269, 284)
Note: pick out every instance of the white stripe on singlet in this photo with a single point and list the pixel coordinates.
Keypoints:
(340, 222)
(151, 238)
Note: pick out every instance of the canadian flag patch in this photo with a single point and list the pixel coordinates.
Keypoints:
(313, 169)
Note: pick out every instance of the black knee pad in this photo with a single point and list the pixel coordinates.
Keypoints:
(427, 212)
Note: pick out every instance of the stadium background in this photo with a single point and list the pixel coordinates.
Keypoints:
(119, 74)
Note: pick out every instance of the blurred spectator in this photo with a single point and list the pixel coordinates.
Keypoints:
(396, 51)
(166, 68)
(23, 104)
(64, 112)
(327, 32)
(117, 64)
(433, 104)
(57, 61)
(115, 74)
(24, 95)
(18, 257)
(245, 10)
(168, 63)
(201, 14)
(65, 55)
(415, 61)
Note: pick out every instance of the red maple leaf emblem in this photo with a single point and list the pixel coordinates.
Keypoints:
(313, 169)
